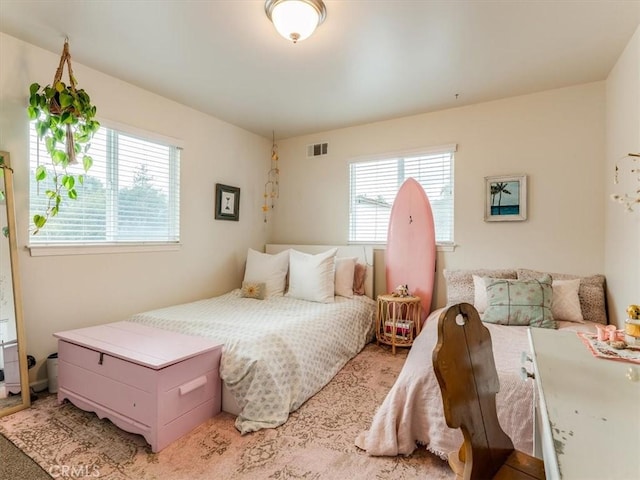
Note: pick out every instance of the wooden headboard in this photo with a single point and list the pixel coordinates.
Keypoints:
(363, 253)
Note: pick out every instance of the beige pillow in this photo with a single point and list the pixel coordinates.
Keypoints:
(565, 304)
(479, 293)
(270, 269)
(345, 269)
(253, 290)
(312, 277)
(460, 282)
(591, 293)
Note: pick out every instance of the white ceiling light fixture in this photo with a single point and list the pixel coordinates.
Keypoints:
(295, 20)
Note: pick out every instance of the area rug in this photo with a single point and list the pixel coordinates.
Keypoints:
(317, 442)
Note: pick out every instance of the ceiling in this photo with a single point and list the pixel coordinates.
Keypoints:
(369, 61)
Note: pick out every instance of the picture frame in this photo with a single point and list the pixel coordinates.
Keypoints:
(505, 198)
(227, 202)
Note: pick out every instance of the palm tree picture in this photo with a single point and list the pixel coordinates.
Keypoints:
(506, 198)
(497, 189)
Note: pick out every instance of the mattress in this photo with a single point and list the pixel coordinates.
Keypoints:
(278, 352)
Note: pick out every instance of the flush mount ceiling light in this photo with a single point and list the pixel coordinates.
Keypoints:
(295, 20)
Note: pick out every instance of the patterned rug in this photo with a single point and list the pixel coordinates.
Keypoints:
(317, 442)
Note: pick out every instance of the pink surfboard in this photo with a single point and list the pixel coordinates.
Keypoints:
(411, 244)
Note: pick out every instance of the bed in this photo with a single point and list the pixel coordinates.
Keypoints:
(282, 342)
(411, 415)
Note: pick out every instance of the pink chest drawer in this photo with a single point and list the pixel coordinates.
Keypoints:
(160, 398)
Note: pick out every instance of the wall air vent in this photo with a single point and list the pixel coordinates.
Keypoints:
(317, 150)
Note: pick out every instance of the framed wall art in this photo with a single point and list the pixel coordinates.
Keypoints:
(227, 202)
(505, 198)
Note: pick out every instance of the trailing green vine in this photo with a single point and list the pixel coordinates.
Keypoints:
(65, 119)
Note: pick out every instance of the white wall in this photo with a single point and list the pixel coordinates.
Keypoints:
(63, 292)
(622, 241)
(555, 137)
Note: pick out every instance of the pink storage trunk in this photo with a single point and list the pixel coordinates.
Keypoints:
(157, 383)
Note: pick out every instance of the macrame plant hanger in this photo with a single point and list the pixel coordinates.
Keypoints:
(55, 107)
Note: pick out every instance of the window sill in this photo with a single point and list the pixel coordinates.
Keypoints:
(102, 249)
(440, 247)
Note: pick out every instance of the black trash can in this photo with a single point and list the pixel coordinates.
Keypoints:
(52, 372)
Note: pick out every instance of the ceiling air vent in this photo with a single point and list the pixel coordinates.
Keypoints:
(317, 150)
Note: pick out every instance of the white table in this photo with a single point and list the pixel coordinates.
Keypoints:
(589, 410)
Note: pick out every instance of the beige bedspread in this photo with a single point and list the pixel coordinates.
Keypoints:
(412, 415)
(278, 352)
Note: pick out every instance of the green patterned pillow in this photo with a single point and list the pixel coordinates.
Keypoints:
(519, 302)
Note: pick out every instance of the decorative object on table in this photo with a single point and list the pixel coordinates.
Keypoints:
(629, 200)
(613, 349)
(398, 320)
(65, 119)
(606, 333)
(632, 326)
(401, 291)
(227, 202)
(410, 256)
(272, 186)
(505, 198)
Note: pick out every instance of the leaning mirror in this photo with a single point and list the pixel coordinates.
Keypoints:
(14, 378)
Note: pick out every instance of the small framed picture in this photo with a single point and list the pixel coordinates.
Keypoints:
(227, 202)
(505, 198)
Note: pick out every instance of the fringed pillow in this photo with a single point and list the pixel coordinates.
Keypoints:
(460, 287)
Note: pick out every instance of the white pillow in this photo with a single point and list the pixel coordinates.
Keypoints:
(268, 269)
(312, 277)
(345, 269)
(565, 303)
(479, 293)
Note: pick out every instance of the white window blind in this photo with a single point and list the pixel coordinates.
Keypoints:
(374, 185)
(131, 194)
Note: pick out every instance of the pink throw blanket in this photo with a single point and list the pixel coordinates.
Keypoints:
(412, 415)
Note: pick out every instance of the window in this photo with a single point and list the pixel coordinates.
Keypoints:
(374, 184)
(131, 194)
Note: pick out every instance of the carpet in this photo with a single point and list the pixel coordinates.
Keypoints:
(16, 465)
(317, 442)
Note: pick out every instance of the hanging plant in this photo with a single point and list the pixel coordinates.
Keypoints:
(65, 119)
